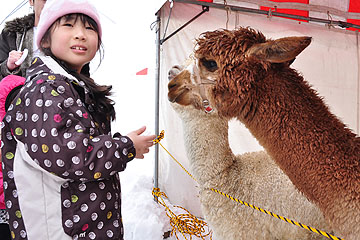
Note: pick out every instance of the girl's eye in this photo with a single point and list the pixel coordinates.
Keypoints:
(90, 28)
(67, 25)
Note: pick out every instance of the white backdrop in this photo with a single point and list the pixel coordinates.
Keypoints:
(330, 64)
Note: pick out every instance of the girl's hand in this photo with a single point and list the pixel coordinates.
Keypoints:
(141, 143)
(13, 57)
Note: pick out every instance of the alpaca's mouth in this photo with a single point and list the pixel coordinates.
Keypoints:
(177, 96)
(172, 97)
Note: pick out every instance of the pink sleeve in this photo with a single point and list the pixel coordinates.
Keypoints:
(7, 84)
(2, 201)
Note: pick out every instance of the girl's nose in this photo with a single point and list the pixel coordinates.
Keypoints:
(80, 33)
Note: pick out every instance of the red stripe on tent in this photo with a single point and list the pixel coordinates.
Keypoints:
(210, 1)
(297, 1)
(143, 72)
(289, 11)
(354, 21)
(354, 6)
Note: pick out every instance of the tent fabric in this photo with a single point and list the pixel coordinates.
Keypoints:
(344, 10)
(330, 64)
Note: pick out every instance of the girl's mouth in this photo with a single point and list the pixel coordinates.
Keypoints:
(79, 48)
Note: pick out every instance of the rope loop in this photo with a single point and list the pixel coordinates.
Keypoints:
(160, 137)
(185, 223)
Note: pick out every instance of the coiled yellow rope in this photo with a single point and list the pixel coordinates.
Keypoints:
(184, 223)
(161, 136)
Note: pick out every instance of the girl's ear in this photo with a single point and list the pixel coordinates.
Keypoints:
(45, 43)
(31, 2)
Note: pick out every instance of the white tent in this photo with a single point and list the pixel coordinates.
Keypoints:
(330, 64)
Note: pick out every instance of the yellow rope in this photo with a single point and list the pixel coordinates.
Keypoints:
(157, 140)
(311, 229)
(278, 216)
(184, 223)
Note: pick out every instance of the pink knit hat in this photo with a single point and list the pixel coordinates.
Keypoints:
(54, 9)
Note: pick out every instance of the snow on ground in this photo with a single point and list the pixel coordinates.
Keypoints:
(143, 218)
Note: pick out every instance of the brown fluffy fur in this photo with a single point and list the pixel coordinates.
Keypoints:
(255, 84)
(252, 177)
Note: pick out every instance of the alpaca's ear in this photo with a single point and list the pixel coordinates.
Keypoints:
(280, 50)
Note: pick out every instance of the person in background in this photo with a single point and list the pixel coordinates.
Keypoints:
(9, 88)
(16, 36)
(60, 160)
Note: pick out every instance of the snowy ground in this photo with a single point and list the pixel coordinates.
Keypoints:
(143, 217)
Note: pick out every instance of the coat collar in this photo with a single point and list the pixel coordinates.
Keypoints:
(47, 64)
(20, 24)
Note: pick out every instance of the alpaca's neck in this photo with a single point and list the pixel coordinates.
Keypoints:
(297, 129)
(290, 113)
(207, 145)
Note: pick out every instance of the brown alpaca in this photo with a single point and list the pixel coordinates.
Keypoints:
(252, 81)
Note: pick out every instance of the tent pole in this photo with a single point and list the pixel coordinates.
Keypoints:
(157, 88)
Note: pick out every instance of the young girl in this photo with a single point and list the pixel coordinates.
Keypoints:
(60, 160)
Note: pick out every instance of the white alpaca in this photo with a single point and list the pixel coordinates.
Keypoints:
(251, 177)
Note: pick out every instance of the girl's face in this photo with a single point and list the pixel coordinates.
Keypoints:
(73, 42)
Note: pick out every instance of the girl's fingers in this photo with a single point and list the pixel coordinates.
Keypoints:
(140, 130)
(150, 137)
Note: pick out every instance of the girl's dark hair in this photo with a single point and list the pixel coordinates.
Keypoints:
(99, 94)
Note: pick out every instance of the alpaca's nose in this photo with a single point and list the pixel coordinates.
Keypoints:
(175, 70)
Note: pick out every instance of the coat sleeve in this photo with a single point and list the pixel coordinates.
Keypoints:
(7, 44)
(2, 200)
(59, 134)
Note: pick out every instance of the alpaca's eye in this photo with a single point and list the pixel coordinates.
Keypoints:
(210, 65)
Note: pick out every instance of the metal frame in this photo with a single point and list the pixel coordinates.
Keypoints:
(157, 97)
(273, 13)
(204, 10)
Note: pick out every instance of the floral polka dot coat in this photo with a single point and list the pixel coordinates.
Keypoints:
(60, 161)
